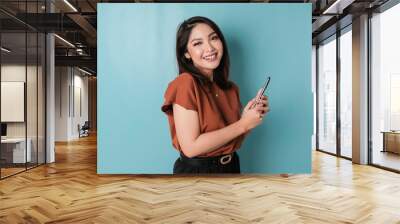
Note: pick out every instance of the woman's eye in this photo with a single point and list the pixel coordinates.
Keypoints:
(214, 38)
(197, 43)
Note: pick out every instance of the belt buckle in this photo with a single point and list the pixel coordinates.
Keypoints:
(225, 159)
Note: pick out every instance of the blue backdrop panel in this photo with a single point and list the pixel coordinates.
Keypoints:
(136, 61)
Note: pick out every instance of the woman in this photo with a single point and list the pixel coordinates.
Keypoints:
(203, 106)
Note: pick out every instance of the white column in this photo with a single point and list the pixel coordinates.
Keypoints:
(50, 110)
(314, 92)
(360, 90)
(50, 92)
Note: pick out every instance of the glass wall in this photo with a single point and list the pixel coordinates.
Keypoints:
(13, 89)
(327, 95)
(385, 89)
(346, 92)
(334, 67)
(22, 91)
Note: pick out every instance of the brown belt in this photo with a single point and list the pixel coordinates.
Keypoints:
(201, 161)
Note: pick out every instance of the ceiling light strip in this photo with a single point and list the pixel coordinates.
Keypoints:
(331, 7)
(5, 49)
(84, 71)
(64, 40)
(70, 5)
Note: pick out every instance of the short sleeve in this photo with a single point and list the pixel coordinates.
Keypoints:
(181, 91)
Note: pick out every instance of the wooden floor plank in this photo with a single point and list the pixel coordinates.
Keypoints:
(70, 191)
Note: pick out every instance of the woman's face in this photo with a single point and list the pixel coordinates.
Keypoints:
(204, 48)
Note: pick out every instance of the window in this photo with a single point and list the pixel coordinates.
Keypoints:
(346, 92)
(385, 89)
(327, 95)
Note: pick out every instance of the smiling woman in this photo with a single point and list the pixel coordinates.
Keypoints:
(205, 49)
(203, 106)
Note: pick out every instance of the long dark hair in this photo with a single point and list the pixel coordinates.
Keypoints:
(221, 73)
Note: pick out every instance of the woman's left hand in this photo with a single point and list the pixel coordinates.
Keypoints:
(263, 105)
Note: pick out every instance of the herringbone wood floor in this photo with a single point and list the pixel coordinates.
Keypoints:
(70, 191)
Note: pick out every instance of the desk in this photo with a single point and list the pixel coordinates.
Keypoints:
(15, 148)
(391, 141)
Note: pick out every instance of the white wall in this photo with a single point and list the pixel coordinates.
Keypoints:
(9, 73)
(62, 81)
(15, 72)
(71, 87)
(80, 102)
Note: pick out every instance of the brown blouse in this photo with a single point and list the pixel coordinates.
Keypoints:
(216, 108)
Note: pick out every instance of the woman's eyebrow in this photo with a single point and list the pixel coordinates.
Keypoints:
(195, 39)
(201, 38)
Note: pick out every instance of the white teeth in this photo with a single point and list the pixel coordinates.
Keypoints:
(211, 57)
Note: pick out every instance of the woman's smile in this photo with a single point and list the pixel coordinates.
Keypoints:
(211, 57)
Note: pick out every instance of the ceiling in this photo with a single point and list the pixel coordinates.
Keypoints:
(76, 22)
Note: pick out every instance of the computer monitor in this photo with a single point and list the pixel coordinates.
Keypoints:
(3, 129)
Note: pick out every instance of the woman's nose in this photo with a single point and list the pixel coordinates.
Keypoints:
(209, 46)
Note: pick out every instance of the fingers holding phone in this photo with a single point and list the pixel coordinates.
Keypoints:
(263, 106)
(253, 113)
(256, 108)
(260, 93)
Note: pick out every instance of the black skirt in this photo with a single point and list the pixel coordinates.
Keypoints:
(199, 165)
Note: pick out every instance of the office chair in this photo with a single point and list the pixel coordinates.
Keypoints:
(84, 130)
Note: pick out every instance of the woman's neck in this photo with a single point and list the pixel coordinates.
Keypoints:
(209, 75)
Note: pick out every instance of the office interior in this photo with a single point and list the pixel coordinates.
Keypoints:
(47, 81)
(56, 40)
(49, 76)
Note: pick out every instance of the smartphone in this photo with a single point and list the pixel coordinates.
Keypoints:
(262, 91)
